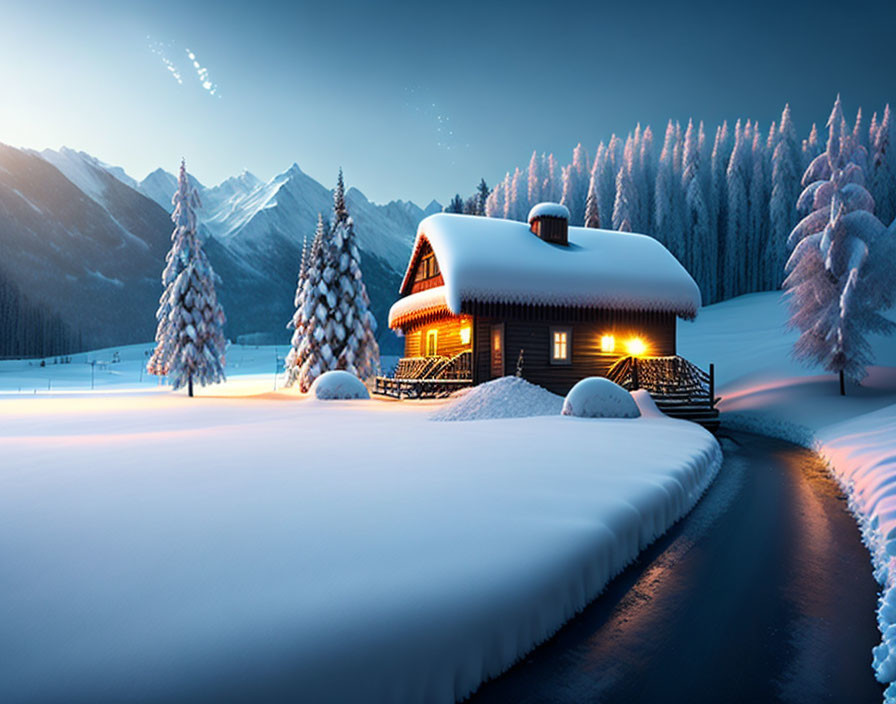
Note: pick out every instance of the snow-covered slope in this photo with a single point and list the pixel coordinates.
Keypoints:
(86, 171)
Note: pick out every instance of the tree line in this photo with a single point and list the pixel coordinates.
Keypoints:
(724, 204)
(29, 329)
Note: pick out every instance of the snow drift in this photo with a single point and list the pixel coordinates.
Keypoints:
(507, 397)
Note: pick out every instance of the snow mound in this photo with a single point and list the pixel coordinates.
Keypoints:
(507, 397)
(338, 384)
(548, 210)
(596, 397)
(646, 404)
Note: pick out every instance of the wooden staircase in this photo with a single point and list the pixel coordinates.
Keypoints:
(679, 388)
(427, 377)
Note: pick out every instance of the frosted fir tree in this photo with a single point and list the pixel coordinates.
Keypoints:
(701, 246)
(534, 179)
(607, 169)
(312, 352)
(623, 209)
(758, 216)
(352, 325)
(190, 342)
(494, 204)
(882, 181)
(840, 274)
(648, 169)
(782, 200)
(592, 215)
(298, 323)
(669, 227)
(482, 194)
(737, 177)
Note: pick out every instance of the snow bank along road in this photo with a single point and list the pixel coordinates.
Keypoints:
(159, 549)
(762, 594)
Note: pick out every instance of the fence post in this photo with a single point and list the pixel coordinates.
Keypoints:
(635, 373)
(712, 384)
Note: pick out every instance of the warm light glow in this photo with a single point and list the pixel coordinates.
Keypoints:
(607, 343)
(635, 346)
(465, 336)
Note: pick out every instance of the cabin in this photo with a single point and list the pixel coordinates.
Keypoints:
(486, 297)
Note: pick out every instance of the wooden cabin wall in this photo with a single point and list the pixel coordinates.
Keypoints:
(448, 343)
(533, 337)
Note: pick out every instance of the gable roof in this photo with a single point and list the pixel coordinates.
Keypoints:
(500, 261)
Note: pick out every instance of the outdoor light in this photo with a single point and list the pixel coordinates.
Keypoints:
(607, 343)
(465, 336)
(635, 346)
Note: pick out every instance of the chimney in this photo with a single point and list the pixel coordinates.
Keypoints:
(550, 222)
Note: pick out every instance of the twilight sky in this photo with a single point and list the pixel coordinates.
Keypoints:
(416, 100)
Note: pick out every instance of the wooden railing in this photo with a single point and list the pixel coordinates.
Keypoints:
(679, 388)
(427, 377)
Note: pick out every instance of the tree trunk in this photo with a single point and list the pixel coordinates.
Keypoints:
(190, 386)
(842, 384)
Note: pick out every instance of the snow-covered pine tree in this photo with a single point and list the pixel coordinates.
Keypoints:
(352, 325)
(575, 185)
(782, 201)
(758, 213)
(648, 169)
(624, 207)
(606, 181)
(534, 179)
(700, 254)
(668, 221)
(518, 208)
(552, 188)
(294, 360)
(190, 342)
(509, 204)
(494, 204)
(592, 212)
(718, 200)
(733, 279)
(811, 147)
(840, 274)
(882, 181)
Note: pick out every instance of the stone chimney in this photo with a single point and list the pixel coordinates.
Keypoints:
(550, 222)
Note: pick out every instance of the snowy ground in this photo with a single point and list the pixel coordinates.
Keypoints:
(765, 391)
(261, 546)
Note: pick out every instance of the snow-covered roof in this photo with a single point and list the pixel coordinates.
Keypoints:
(501, 261)
(548, 210)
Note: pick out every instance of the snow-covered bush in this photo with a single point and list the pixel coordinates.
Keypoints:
(596, 397)
(507, 397)
(338, 384)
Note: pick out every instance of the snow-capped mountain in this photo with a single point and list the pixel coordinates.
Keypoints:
(102, 239)
(160, 185)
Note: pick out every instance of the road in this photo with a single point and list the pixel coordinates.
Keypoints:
(764, 593)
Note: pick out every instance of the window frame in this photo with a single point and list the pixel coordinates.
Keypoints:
(553, 331)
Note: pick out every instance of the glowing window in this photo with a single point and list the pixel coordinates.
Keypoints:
(465, 336)
(561, 341)
(432, 342)
(607, 343)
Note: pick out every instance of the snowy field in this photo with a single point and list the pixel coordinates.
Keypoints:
(765, 391)
(261, 546)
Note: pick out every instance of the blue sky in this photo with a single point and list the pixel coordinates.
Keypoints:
(416, 100)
